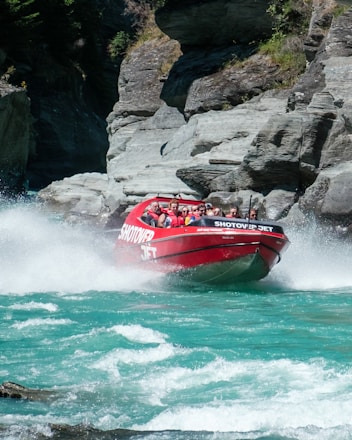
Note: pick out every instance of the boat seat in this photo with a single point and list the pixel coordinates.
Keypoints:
(152, 222)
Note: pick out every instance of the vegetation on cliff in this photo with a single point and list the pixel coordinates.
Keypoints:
(60, 25)
(291, 21)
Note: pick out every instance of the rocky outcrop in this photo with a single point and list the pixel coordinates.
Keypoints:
(141, 80)
(222, 135)
(15, 391)
(16, 130)
(86, 432)
(329, 144)
(83, 197)
(331, 195)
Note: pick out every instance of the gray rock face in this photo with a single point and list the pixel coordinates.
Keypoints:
(330, 198)
(288, 150)
(15, 129)
(141, 79)
(81, 197)
(232, 86)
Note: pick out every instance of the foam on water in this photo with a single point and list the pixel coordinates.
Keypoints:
(40, 322)
(271, 395)
(315, 260)
(39, 254)
(127, 356)
(32, 305)
(138, 333)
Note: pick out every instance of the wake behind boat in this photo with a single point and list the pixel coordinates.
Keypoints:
(211, 249)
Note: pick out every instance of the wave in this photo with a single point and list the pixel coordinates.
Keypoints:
(37, 322)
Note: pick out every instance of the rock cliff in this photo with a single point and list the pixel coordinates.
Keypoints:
(209, 127)
(71, 88)
(15, 127)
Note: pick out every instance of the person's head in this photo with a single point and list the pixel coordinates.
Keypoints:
(201, 209)
(234, 212)
(155, 207)
(173, 205)
(184, 211)
(218, 211)
(253, 214)
(209, 209)
(195, 209)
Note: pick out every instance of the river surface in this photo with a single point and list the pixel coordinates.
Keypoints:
(129, 354)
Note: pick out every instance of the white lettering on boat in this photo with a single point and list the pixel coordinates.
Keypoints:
(148, 253)
(135, 234)
(238, 225)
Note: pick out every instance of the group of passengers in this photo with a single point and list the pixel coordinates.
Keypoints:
(174, 216)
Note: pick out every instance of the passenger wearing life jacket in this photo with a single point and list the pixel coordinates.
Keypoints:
(234, 212)
(193, 215)
(253, 214)
(209, 210)
(155, 216)
(174, 216)
(184, 212)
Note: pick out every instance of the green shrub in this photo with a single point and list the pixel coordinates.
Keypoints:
(290, 16)
(119, 44)
(290, 24)
(287, 52)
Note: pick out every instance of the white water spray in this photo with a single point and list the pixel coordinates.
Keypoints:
(315, 260)
(39, 254)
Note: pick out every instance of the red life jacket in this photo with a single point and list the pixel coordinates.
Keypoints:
(153, 214)
(175, 220)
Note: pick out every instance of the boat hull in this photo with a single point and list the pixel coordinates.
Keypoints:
(250, 267)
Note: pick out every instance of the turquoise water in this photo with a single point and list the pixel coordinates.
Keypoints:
(132, 350)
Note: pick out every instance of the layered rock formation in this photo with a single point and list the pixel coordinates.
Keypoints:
(206, 131)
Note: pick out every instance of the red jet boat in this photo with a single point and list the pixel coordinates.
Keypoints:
(210, 250)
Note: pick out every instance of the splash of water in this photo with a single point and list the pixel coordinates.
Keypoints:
(42, 254)
(315, 260)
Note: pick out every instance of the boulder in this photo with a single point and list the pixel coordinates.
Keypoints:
(79, 198)
(15, 391)
(329, 199)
